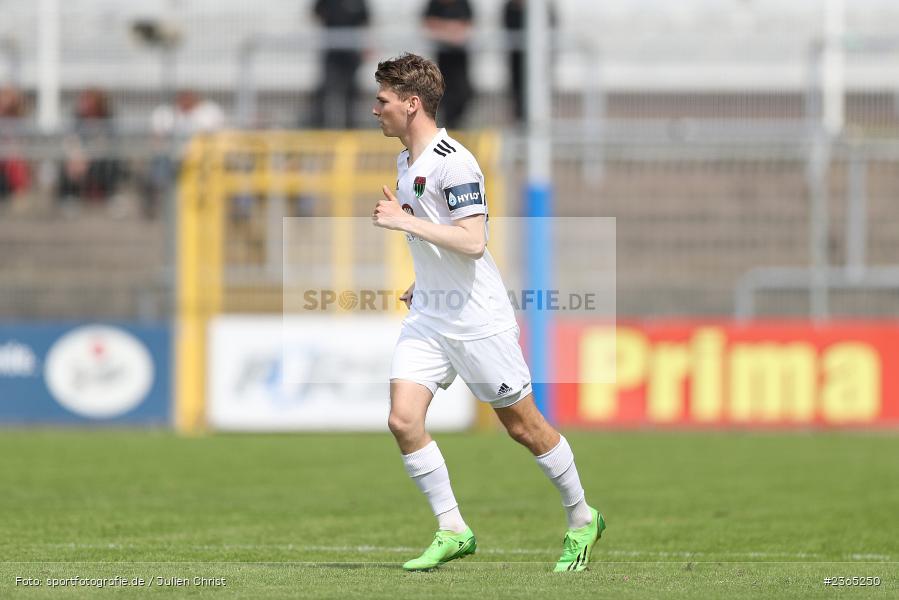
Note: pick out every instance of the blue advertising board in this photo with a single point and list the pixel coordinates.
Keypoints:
(85, 373)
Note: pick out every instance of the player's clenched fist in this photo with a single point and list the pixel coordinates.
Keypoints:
(388, 213)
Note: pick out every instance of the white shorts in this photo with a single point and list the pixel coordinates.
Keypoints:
(493, 367)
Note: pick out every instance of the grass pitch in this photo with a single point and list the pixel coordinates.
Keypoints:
(690, 515)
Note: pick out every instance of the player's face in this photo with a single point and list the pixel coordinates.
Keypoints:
(391, 112)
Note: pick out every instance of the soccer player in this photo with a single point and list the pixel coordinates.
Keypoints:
(460, 320)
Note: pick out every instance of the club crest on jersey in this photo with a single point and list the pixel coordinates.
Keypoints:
(418, 186)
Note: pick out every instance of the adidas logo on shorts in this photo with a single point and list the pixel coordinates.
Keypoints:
(503, 390)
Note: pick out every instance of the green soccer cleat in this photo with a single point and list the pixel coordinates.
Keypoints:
(446, 546)
(579, 543)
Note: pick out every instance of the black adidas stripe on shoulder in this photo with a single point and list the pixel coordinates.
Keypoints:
(443, 148)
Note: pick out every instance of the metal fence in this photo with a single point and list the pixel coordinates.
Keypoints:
(734, 191)
(696, 221)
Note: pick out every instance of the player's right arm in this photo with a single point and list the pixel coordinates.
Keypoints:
(465, 236)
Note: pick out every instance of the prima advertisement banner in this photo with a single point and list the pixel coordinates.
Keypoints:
(776, 374)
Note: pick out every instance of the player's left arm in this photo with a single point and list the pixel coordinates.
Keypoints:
(466, 236)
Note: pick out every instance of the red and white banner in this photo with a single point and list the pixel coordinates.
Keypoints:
(723, 374)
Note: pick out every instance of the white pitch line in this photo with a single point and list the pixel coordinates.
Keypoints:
(493, 551)
(883, 557)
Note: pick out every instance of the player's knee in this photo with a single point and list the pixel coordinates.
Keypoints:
(402, 425)
(521, 433)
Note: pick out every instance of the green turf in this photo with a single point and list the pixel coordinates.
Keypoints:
(690, 515)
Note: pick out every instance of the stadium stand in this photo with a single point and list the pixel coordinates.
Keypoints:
(706, 173)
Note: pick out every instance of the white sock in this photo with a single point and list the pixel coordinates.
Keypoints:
(558, 464)
(427, 469)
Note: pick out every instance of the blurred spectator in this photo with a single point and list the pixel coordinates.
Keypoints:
(173, 127)
(513, 22)
(190, 115)
(15, 176)
(333, 102)
(448, 22)
(89, 171)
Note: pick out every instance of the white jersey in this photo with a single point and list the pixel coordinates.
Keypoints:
(457, 296)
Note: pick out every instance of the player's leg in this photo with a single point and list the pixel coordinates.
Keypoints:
(501, 377)
(422, 458)
(419, 368)
(409, 403)
(425, 465)
(527, 426)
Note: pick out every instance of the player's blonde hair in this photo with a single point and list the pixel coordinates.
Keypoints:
(413, 75)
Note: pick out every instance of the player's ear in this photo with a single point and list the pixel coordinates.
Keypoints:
(413, 105)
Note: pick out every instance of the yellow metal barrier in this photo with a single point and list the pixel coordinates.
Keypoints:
(347, 167)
